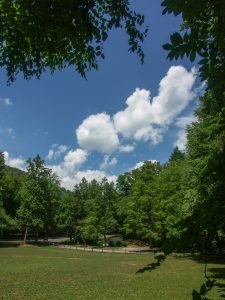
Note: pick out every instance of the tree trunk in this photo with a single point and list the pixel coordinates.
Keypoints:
(105, 240)
(25, 236)
(218, 243)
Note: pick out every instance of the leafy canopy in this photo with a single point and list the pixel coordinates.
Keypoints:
(203, 36)
(39, 35)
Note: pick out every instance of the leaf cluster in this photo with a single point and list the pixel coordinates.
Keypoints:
(202, 36)
(46, 35)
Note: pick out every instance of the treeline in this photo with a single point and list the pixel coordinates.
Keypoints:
(177, 206)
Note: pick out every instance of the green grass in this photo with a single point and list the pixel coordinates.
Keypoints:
(52, 273)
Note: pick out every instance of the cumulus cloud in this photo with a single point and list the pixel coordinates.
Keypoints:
(182, 123)
(74, 159)
(69, 171)
(136, 115)
(175, 93)
(56, 151)
(107, 162)
(181, 140)
(150, 133)
(97, 133)
(18, 162)
(141, 163)
(69, 181)
(71, 163)
(144, 118)
(147, 119)
(126, 148)
(6, 101)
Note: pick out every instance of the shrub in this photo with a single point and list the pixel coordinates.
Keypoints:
(118, 243)
(111, 244)
(124, 244)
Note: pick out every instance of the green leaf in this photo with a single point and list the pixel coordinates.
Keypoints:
(192, 56)
(203, 289)
(165, 11)
(176, 38)
(203, 61)
(196, 295)
(167, 47)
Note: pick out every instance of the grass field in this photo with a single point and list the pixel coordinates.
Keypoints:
(52, 273)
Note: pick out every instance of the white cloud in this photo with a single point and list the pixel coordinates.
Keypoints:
(18, 162)
(69, 169)
(126, 148)
(70, 181)
(144, 119)
(107, 162)
(181, 140)
(175, 93)
(136, 115)
(50, 154)
(149, 133)
(97, 133)
(71, 163)
(182, 123)
(141, 163)
(9, 132)
(74, 159)
(6, 101)
(56, 151)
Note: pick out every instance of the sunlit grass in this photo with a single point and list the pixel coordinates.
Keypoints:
(52, 273)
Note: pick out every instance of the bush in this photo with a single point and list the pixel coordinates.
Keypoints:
(111, 244)
(118, 243)
(124, 244)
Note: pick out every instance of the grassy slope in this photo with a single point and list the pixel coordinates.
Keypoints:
(52, 273)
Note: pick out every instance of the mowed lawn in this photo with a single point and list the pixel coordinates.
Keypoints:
(53, 273)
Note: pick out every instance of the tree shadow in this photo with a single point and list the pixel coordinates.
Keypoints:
(9, 244)
(150, 267)
(211, 282)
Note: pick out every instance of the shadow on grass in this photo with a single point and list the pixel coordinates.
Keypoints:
(14, 244)
(211, 281)
(150, 267)
(8, 244)
(206, 287)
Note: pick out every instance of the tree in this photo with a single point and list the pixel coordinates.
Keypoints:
(12, 182)
(68, 215)
(2, 171)
(170, 199)
(139, 222)
(3, 217)
(100, 217)
(36, 196)
(206, 151)
(40, 35)
(204, 36)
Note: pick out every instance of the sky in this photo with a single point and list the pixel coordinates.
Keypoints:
(123, 114)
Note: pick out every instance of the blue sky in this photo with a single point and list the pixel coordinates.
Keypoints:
(123, 114)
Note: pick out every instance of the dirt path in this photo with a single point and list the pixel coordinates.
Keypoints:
(140, 250)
